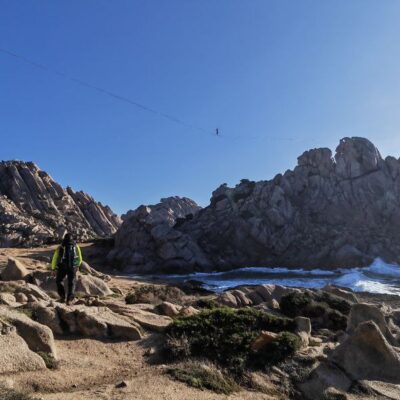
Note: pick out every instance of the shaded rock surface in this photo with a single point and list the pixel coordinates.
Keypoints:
(325, 376)
(28, 290)
(14, 270)
(366, 354)
(97, 322)
(34, 209)
(140, 314)
(367, 312)
(148, 240)
(329, 211)
(16, 355)
(38, 337)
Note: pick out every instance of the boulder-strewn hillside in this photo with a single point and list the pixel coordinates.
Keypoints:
(34, 209)
(328, 212)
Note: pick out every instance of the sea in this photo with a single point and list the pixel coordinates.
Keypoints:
(379, 277)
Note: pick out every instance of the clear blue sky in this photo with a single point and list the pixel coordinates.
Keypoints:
(262, 71)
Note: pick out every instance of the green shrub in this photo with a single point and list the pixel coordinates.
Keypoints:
(334, 302)
(178, 347)
(154, 294)
(294, 303)
(285, 345)
(208, 304)
(204, 376)
(225, 335)
(325, 310)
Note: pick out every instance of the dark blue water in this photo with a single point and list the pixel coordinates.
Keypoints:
(379, 277)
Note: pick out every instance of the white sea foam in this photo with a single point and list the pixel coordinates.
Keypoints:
(379, 277)
(381, 268)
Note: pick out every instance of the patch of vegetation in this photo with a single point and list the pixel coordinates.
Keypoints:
(204, 376)
(49, 360)
(325, 310)
(285, 345)
(193, 287)
(334, 302)
(225, 335)
(154, 294)
(178, 347)
(11, 394)
(207, 304)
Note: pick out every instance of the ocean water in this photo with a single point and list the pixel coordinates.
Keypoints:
(379, 277)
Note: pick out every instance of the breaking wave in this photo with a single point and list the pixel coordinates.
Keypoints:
(379, 277)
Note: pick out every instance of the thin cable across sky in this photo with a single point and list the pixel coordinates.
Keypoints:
(106, 92)
(141, 106)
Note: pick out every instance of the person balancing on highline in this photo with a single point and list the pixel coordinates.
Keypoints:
(66, 260)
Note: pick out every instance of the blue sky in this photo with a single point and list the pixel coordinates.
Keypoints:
(276, 77)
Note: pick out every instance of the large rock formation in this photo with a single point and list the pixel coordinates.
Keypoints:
(34, 209)
(148, 238)
(340, 211)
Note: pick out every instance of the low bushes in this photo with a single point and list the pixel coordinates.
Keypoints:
(225, 335)
(208, 304)
(282, 347)
(324, 309)
(154, 294)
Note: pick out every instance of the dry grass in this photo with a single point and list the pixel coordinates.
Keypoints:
(204, 375)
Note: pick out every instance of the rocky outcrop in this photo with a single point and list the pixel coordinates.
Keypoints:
(148, 239)
(254, 295)
(327, 212)
(34, 209)
(366, 354)
(14, 270)
(16, 356)
(367, 312)
(97, 322)
(38, 337)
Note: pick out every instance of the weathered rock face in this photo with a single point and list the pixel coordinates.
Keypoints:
(148, 238)
(340, 211)
(367, 355)
(16, 356)
(34, 209)
(38, 337)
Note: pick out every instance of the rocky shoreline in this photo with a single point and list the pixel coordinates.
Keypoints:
(250, 342)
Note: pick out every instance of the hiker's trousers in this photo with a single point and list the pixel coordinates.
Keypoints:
(63, 271)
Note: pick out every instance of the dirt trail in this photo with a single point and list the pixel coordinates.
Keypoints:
(90, 369)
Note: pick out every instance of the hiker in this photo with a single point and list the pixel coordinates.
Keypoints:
(66, 260)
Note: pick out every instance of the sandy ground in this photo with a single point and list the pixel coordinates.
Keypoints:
(91, 369)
